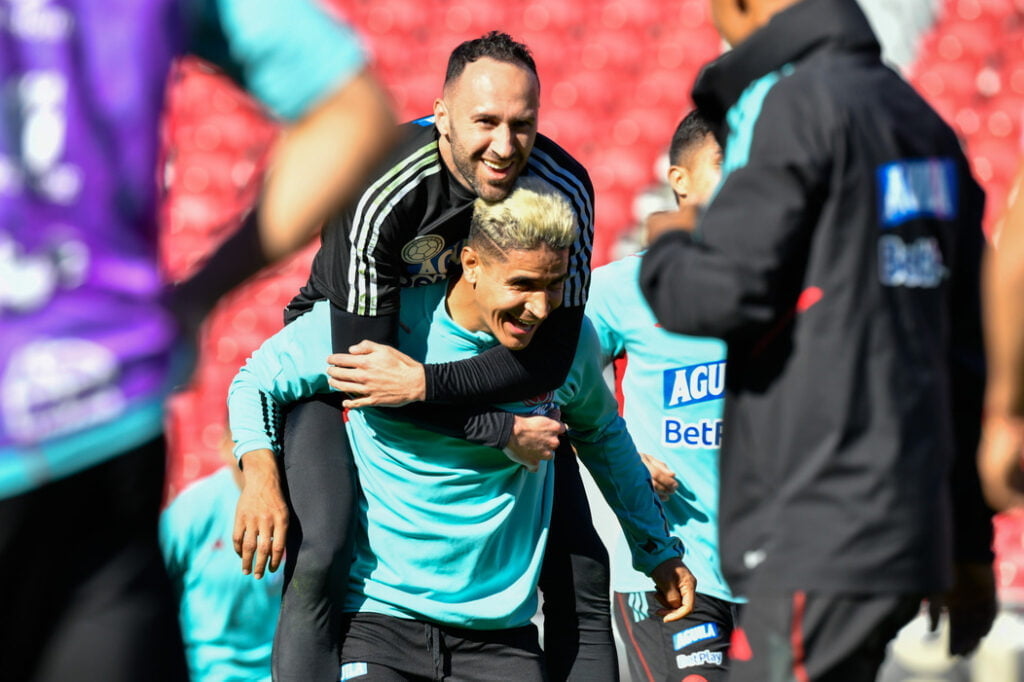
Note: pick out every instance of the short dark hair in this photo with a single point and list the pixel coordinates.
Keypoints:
(496, 45)
(691, 132)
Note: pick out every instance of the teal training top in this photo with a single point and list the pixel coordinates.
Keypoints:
(227, 619)
(673, 387)
(453, 532)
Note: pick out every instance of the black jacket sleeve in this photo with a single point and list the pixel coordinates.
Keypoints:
(482, 425)
(741, 268)
(501, 375)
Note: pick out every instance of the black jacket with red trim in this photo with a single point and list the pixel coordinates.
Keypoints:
(840, 261)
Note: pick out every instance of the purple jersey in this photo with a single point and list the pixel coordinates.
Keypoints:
(85, 345)
(83, 335)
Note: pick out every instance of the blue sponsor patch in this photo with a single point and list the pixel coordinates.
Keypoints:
(693, 384)
(425, 121)
(921, 188)
(707, 433)
(916, 264)
(698, 633)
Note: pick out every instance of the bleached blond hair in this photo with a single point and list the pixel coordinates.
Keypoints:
(535, 213)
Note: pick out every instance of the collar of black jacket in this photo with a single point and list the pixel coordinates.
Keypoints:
(790, 36)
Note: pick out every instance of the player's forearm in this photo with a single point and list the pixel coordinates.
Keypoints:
(321, 162)
(500, 375)
(482, 425)
(314, 170)
(1000, 453)
(287, 367)
(1004, 319)
(259, 464)
(625, 484)
(254, 417)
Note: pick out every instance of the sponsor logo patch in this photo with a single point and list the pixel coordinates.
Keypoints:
(697, 633)
(693, 384)
(919, 188)
(917, 264)
(707, 433)
(699, 658)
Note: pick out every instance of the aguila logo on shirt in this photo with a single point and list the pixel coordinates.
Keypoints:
(693, 384)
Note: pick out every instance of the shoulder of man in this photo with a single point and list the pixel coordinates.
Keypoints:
(551, 157)
(417, 145)
(606, 286)
(611, 273)
(412, 158)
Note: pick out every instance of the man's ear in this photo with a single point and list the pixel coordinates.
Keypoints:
(441, 117)
(679, 180)
(470, 264)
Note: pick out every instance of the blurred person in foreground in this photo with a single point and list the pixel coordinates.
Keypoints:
(406, 231)
(451, 535)
(1001, 455)
(672, 387)
(839, 260)
(88, 338)
(227, 618)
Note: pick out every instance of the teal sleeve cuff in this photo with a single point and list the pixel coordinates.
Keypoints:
(250, 444)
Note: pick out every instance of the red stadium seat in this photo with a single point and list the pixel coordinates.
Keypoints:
(969, 38)
(950, 78)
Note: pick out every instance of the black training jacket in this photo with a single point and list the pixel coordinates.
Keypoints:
(840, 261)
(407, 230)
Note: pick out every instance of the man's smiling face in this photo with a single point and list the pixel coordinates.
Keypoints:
(488, 124)
(513, 295)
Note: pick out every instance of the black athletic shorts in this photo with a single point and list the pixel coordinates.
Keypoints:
(378, 648)
(86, 594)
(693, 649)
